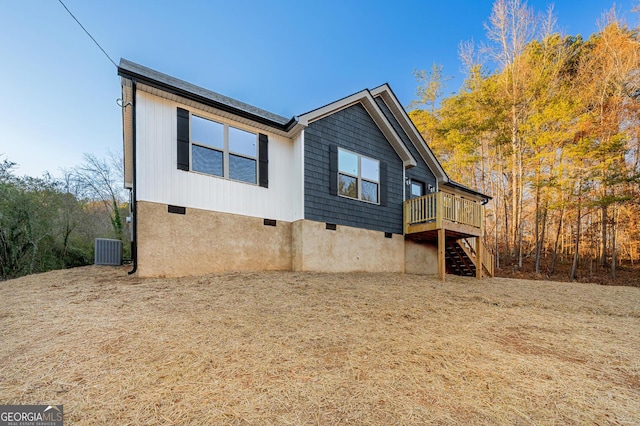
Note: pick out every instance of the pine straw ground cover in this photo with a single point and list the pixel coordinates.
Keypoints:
(302, 348)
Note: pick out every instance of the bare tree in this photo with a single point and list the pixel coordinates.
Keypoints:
(99, 180)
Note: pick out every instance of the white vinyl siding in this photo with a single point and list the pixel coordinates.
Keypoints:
(158, 179)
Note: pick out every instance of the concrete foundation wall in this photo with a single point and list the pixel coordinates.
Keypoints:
(347, 249)
(420, 258)
(201, 242)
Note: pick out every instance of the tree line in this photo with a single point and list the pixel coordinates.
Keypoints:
(51, 223)
(551, 132)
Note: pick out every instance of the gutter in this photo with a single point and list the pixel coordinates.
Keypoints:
(485, 198)
(286, 127)
(134, 207)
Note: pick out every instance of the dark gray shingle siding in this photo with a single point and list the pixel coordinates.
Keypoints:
(352, 129)
(421, 172)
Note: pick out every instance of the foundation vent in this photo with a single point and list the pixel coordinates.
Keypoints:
(108, 252)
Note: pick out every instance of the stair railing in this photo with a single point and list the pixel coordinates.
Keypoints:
(487, 257)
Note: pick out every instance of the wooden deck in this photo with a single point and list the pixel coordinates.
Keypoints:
(446, 217)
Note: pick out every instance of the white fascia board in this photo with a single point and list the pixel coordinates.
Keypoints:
(331, 108)
(364, 97)
(407, 125)
(390, 133)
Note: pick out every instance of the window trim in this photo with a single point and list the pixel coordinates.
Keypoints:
(225, 150)
(359, 178)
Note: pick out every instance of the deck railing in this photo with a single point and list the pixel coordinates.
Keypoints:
(487, 257)
(443, 206)
(444, 210)
(421, 209)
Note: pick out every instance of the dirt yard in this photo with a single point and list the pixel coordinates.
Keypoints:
(300, 348)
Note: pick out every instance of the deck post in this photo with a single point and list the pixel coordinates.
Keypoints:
(441, 256)
(407, 216)
(439, 209)
(480, 245)
(479, 250)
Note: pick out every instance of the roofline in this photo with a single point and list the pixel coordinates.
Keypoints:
(468, 190)
(365, 98)
(140, 78)
(416, 138)
(445, 179)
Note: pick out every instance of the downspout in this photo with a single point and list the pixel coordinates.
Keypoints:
(134, 207)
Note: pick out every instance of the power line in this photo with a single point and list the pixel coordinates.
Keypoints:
(90, 36)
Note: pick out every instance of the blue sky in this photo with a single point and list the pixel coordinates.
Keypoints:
(287, 57)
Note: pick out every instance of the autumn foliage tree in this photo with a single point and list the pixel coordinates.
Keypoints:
(552, 133)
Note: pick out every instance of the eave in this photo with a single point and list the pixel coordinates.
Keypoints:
(409, 128)
(364, 98)
(168, 87)
(418, 141)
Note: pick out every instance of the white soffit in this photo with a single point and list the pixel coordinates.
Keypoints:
(197, 105)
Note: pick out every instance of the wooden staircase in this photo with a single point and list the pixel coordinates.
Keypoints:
(458, 261)
(454, 222)
(461, 259)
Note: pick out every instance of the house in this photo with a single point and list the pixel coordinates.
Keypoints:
(219, 185)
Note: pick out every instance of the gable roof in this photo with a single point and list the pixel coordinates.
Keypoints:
(409, 128)
(390, 99)
(364, 98)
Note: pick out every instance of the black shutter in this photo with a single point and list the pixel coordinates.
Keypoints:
(183, 139)
(333, 169)
(383, 184)
(263, 160)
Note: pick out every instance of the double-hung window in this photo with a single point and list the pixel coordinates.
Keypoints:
(222, 150)
(358, 176)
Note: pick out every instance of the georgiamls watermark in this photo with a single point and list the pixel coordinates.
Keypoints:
(31, 415)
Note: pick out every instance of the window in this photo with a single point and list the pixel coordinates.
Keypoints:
(221, 150)
(358, 176)
(417, 189)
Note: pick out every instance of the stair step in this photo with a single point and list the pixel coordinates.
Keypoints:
(458, 261)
